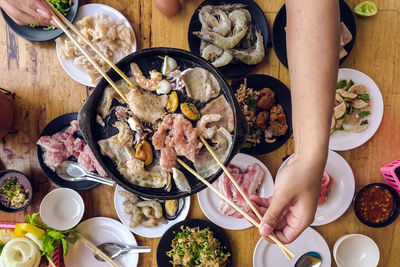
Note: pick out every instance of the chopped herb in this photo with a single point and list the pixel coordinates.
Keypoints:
(350, 110)
(341, 84)
(365, 97)
(348, 100)
(349, 84)
(251, 102)
(339, 129)
(364, 122)
(364, 113)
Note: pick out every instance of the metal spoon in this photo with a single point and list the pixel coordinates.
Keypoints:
(310, 259)
(114, 250)
(74, 172)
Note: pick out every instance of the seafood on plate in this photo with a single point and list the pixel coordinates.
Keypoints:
(228, 35)
(352, 107)
(157, 126)
(113, 38)
(265, 117)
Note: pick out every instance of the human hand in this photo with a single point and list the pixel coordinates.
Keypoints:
(292, 207)
(25, 12)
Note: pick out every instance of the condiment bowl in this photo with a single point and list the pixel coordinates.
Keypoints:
(62, 209)
(356, 250)
(22, 180)
(392, 216)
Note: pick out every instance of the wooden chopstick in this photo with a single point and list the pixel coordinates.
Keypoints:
(91, 60)
(285, 250)
(236, 207)
(96, 250)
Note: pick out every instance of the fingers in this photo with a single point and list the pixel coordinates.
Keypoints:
(27, 12)
(261, 202)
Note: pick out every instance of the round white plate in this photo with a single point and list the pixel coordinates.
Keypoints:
(269, 255)
(150, 232)
(78, 73)
(100, 230)
(209, 201)
(340, 140)
(342, 189)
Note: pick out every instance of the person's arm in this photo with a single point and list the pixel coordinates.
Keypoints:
(25, 12)
(312, 38)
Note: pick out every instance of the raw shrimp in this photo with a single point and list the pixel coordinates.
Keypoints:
(218, 57)
(223, 60)
(241, 18)
(254, 54)
(222, 41)
(230, 7)
(134, 211)
(180, 180)
(215, 20)
(202, 125)
(129, 197)
(148, 84)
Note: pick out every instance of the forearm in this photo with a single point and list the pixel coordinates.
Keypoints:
(312, 47)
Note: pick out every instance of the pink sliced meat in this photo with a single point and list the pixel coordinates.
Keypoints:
(73, 128)
(168, 158)
(52, 159)
(49, 144)
(326, 185)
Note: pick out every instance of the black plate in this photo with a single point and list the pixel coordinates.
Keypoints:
(165, 242)
(57, 125)
(149, 59)
(282, 97)
(258, 17)
(24, 181)
(38, 34)
(279, 33)
(396, 208)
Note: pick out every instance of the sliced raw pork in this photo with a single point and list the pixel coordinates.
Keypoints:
(326, 185)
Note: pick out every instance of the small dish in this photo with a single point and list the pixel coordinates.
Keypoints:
(356, 250)
(209, 202)
(23, 181)
(269, 255)
(279, 33)
(282, 97)
(39, 34)
(341, 193)
(366, 193)
(233, 69)
(165, 242)
(149, 232)
(101, 230)
(62, 209)
(341, 141)
(78, 73)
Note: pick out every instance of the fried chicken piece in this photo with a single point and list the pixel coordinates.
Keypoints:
(267, 99)
(277, 120)
(262, 119)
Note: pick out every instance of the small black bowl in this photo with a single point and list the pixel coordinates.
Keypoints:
(396, 209)
(165, 242)
(59, 124)
(24, 181)
(39, 34)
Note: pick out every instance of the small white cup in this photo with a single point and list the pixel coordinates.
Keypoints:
(62, 209)
(356, 250)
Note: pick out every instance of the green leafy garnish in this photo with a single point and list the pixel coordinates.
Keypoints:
(251, 102)
(341, 84)
(365, 97)
(348, 100)
(364, 122)
(364, 113)
(339, 129)
(349, 84)
(1, 247)
(350, 110)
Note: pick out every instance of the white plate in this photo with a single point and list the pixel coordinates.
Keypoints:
(342, 189)
(78, 73)
(340, 140)
(151, 232)
(100, 230)
(269, 255)
(209, 201)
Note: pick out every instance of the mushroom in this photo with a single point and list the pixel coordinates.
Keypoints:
(163, 87)
(169, 65)
(360, 126)
(353, 118)
(333, 121)
(339, 110)
(339, 123)
(358, 89)
(338, 98)
(346, 94)
(359, 104)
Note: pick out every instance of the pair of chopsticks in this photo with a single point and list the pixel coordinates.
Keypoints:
(95, 249)
(61, 20)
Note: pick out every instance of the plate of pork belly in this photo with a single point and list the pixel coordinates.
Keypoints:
(252, 176)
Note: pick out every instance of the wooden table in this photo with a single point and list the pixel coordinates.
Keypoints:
(44, 91)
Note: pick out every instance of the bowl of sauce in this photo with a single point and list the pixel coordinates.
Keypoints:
(15, 191)
(377, 205)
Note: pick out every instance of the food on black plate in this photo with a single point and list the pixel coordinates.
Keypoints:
(66, 145)
(13, 194)
(61, 5)
(163, 119)
(265, 117)
(228, 35)
(196, 247)
(352, 107)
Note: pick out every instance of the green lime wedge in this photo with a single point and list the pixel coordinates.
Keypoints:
(366, 9)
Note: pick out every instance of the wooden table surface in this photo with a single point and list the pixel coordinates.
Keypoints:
(44, 91)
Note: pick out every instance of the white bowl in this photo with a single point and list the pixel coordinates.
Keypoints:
(356, 250)
(62, 209)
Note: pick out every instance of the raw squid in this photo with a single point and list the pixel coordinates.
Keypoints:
(20, 252)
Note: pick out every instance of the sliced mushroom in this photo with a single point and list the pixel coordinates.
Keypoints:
(353, 118)
(358, 127)
(359, 104)
(367, 108)
(358, 89)
(339, 110)
(346, 94)
(340, 91)
(338, 98)
(339, 123)
(333, 122)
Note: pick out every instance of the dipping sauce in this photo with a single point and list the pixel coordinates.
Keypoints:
(375, 204)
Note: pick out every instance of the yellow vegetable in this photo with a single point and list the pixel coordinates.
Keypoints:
(190, 111)
(22, 228)
(144, 152)
(173, 102)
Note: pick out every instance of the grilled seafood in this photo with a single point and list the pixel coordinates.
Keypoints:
(202, 123)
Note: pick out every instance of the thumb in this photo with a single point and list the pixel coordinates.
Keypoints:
(273, 214)
(40, 8)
